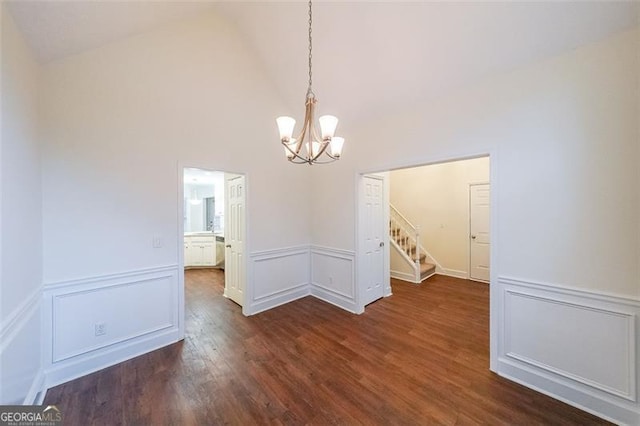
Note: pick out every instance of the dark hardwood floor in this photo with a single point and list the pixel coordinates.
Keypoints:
(418, 357)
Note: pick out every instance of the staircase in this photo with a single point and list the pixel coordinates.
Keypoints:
(405, 238)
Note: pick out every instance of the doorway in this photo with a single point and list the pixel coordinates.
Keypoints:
(435, 203)
(212, 228)
(461, 269)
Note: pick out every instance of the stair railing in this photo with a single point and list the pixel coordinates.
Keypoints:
(407, 238)
(417, 242)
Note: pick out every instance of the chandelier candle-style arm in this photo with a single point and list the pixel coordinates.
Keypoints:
(314, 146)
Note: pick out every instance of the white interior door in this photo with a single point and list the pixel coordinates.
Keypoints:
(372, 239)
(234, 236)
(479, 196)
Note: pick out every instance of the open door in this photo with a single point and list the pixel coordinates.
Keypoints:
(234, 277)
(372, 238)
(479, 248)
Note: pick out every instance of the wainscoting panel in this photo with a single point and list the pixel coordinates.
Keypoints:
(333, 277)
(100, 321)
(20, 356)
(278, 276)
(582, 346)
(77, 315)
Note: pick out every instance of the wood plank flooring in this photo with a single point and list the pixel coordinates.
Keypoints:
(418, 357)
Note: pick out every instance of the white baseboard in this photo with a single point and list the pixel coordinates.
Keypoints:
(577, 346)
(454, 273)
(335, 299)
(612, 411)
(71, 369)
(281, 298)
(40, 396)
(403, 276)
(428, 276)
(37, 391)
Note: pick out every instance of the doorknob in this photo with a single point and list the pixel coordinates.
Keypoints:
(473, 237)
(228, 246)
(381, 243)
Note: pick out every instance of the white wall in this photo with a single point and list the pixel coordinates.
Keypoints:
(565, 136)
(120, 123)
(119, 118)
(21, 192)
(564, 142)
(436, 198)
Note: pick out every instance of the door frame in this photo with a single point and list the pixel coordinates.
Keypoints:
(360, 284)
(495, 314)
(181, 165)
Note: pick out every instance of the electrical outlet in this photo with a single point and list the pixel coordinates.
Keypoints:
(157, 242)
(101, 329)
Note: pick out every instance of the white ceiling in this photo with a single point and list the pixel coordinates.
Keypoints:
(55, 29)
(369, 57)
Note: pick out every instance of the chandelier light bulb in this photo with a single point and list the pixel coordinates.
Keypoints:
(328, 124)
(290, 148)
(315, 149)
(285, 126)
(336, 146)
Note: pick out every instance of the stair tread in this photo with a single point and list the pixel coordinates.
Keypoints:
(424, 267)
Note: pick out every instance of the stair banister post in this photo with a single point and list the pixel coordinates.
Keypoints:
(417, 253)
(418, 245)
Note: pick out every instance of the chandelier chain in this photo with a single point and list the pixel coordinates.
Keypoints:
(309, 90)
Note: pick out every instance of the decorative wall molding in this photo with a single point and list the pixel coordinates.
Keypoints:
(22, 323)
(141, 310)
(333, 277)
(572, 291)
(580, 347)
(279, 252)
(99, 279)
(18, 317)
(283, 274)
(335, 252)
(624, 320)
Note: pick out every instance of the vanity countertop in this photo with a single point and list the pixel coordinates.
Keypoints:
(204, 234)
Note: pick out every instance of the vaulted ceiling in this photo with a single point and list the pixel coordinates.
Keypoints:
(368, 57)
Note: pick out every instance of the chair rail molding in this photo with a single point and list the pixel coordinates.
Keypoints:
(17, 317)
(18, 334)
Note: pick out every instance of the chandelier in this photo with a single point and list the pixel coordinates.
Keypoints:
(310, 151)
